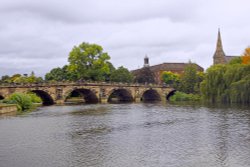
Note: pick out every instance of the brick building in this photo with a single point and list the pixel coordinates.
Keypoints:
(158, 69)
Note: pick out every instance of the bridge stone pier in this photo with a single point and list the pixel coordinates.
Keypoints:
(58, 93)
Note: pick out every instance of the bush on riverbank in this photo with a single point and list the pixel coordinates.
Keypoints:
(34, 98)
(180, 96)
(23, 101)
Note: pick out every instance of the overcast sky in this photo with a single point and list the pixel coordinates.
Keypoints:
(38, 35)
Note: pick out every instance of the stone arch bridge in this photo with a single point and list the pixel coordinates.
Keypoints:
(91, 92)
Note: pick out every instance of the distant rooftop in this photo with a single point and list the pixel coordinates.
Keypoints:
(228, 58)
(170, 67)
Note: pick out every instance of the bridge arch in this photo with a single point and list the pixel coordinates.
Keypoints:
(150, 95)
(88, 95)
(171, 93)
(120, 95)
(45, 96)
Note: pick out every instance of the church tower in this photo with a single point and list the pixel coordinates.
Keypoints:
(146, 61)
(219, 55)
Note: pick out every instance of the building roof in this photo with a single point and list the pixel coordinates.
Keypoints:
(170, 67)
(229, 58)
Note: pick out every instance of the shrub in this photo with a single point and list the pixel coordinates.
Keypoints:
(34, 98)
(23, 101)
(180, 96)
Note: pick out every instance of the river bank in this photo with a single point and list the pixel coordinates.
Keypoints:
(7, 108)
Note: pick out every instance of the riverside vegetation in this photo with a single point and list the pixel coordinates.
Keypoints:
(187, 84)
(227, 83)
(87, 62)
(223, 83)
(24, 101)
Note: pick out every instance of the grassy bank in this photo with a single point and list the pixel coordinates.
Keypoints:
(23, 101)
(180, 96)
(6, 105)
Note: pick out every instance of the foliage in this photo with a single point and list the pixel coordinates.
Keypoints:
(245, 59)
(18, 78)
(190, 80)
(60, 74)
(246, 56)
(237, 60)
(56, 74)
(4, 78)
(111, 69)
(34, 98)
(180, 96)
(227, 83)
(121, 75)
(89, 62)
(23, 101)
(170, 78)
(213, 83)
(145, 76)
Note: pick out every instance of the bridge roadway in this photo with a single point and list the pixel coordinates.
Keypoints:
(57, 93)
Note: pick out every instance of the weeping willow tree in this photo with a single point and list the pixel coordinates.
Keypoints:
(240, 91)
(228, 83)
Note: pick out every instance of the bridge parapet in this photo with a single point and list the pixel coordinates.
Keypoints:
(46, 84)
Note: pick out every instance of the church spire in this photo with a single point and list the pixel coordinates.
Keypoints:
(219, 46)
(219, 55)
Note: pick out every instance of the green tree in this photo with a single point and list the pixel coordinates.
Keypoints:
(60, 74)
(112, 69)
(28, 79)
(200, 77)
(32, 78)
(56, 74)
(170, 78)
(227, 83)
(214, 84)
(236, 60)
(145, 75)
(189, 79)
(5, 79)
(89, 62)
(18, 78)
(121, 75)
(14, 77)
(239, 91)
(21, 79)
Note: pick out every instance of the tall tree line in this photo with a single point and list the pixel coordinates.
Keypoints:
(228, 83)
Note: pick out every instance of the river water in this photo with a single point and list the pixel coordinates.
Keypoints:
(127, 135)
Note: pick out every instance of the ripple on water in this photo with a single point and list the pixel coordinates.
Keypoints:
(124, 135)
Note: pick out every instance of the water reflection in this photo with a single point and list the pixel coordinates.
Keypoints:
(127, 135)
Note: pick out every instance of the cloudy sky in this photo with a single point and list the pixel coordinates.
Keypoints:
(38, 35)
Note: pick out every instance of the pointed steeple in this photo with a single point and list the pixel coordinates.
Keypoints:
(219, 46)
(219, 55)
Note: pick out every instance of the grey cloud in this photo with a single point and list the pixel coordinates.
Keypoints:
(26, 65)
(38, 35)
(101, 11)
